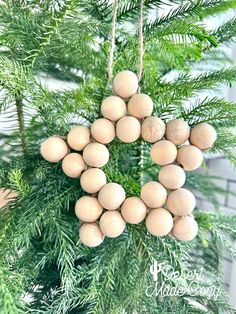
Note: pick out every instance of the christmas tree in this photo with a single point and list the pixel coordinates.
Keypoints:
(44, 267)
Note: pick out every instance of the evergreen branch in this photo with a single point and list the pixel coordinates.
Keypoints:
(130, 9)
(221, 228)
(100, 10)
(207, 186)
(14, 77)
(186, 10)
(184, 32)
(10, 293)
(226, 32)
(192, 10)
(217, 7)
(59, 231)
(170, 96)
(187, 85)
(218, 112)
(225, 143)
(49, 31)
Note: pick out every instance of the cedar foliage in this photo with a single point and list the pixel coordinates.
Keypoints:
(43, 267)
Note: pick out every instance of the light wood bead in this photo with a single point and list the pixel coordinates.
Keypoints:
(96, 155)
(54, 149)
(203, 136)
(189, 157)
(111, 196)
(90, 234)
(113, 108)
(125, 84)
(153, 194)
(88, 209)
(140, 106)
(112, 224)
(128, 129)
(185, 228)
(133, 210)
(181, 202)
(177, 131)
(153, 129)
(103, 131)
(73, 165)
(159, 222)
(6, 196)
(163, 153)
(172, 177)
(92, 180)
(78, 137)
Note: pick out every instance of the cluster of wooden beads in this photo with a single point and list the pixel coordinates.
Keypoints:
(169, 150)
(93, 154)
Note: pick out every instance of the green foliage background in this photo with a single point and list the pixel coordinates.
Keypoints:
(41, 256)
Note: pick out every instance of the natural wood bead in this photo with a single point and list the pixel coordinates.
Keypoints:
(163, 153)
(133, 210)
(128, 129)
(111, 196)
(203, 136)
(140, 106)
(185, 228)
(159, 222)
(6, 196)
(181, 202)
(73, 165)
(172, 177)
(189, 157)
(96, 155)
(54, 149)
(112, 224)
(92, 180)
(177, 131)
(88, 209)
(153, 194)
(90, 234)
(103, 131)
(113, 108)
(125, 84)
(78, 137)
(153, 129)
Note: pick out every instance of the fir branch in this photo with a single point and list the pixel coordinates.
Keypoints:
(11, 292)
(130, 9)
(221, 228)
(225, 143)
(218, 112)
(226, 32)
(14, 77)
(192, 10)
(187, 85)
(185, 31)
(207, 186)
(100, 10)
(217, 7)
(49, 31)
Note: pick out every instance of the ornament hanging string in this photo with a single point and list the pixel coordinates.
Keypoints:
(113, 36)
(140, 42)
(112, 40)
